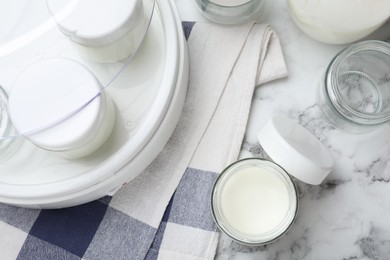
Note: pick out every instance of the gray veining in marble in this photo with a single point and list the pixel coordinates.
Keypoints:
(348, 215)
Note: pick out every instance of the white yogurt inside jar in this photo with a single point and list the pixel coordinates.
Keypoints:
(103, 31)
(254, 201)
(338, 22)
(60, 106)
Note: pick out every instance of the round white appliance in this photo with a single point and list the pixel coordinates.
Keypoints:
(148, 94)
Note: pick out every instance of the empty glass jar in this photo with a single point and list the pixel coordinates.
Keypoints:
(354, 95)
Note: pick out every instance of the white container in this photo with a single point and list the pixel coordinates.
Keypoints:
(338, 22)
(59, 105)
(255, 201)
(103, 31)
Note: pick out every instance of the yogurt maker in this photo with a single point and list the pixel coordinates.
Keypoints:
(141, 93)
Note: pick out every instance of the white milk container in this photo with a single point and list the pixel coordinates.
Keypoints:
(339, 22)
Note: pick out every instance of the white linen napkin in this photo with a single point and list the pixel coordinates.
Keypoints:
(226, 63)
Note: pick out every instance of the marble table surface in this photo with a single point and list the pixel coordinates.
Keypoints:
(348, 216)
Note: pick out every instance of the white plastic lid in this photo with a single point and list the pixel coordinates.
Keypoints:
(295, 149)
(97, 22)
(50, 90)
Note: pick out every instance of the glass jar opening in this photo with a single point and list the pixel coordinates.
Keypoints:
(357, 82)
(254, 201)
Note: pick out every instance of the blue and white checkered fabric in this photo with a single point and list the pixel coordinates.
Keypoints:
(224, 64)
(98, 231)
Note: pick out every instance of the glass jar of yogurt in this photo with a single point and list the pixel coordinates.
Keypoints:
(338, 22)
(255, 201)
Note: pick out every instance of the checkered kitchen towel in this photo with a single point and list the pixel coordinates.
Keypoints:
(226, 64)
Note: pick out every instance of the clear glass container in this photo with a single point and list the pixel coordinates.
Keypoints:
(254, 201)
(10, 141)
(6, 128)
(354, 94)
(231, 11)
(5, 123)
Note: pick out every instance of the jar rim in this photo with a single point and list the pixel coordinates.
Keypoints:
(267, 237)
(236, 14)
(332, 84)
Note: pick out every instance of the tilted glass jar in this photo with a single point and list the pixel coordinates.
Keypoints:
(354, 94)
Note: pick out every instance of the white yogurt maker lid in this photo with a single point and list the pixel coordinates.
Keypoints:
(51, 90)
(295, 149)
(96, 22)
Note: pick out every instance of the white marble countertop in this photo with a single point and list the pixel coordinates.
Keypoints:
(348, 216)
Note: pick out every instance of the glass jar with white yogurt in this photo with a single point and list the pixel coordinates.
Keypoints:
(339, 22)
(255, 201)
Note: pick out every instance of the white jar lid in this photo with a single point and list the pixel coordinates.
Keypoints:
(97, 22)
(50, 90)
(295, 149)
